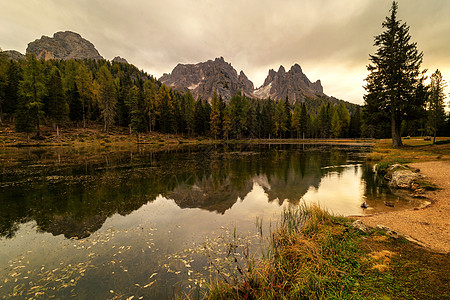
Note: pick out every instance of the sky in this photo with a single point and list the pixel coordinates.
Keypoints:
(330, 39)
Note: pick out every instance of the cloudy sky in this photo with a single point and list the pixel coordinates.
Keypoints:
(330, 39)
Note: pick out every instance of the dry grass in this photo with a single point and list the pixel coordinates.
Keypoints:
(314, 255)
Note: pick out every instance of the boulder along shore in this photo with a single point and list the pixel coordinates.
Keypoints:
(430, 225)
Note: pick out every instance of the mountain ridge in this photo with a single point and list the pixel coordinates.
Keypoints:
(205, 78)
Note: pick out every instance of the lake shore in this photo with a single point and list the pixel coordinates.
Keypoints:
(429, 225)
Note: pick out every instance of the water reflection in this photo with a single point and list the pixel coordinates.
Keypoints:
(83, 223)
(72, 192)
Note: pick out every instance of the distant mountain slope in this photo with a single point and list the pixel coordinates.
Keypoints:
(204, 78)
(293, 84)
(63, 45)
(14, 55)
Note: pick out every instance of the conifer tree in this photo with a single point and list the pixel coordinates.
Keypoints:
(12, 89)
(296, 120)
(394, 72)
(166, 110)
(31, 92)
(56, 105)
(136, 105)
(215, 116)
(150, 102)
(107, 97)
(304, 121)
(188, 111)
(436, 102)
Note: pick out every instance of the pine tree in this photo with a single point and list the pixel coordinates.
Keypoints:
(394, 72)
(304, 118)
(355, 123)
(107, 97)
(56, 105)
(84, 82)
(75, 104)
(150, 102)
(136, 105)
(215, 117)
(31, 91)
(166, 112)
(436, 102)
(296, 120)
(3, 82)
(188, 111)
(12, 89)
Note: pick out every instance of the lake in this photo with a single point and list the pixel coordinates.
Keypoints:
(146, 223)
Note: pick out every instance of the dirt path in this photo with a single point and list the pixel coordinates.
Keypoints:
(430, 225)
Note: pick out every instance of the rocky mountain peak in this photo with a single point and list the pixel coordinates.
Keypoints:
(296, 69)
(204, 78)
(14, 55)
(63, 45)
(120, 59)
(293, 84)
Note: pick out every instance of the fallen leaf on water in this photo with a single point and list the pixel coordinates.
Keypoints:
(111, 291)
(152, 275)
(147, 285)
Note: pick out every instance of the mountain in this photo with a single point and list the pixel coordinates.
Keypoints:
(120, 59)
(204, 78)
(63, 45)
(14, 55)
(293, 84)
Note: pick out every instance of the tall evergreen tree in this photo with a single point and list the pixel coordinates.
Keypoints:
(56, 106)
(166, 111)
(188, 111)
(216, 123)
(150, 102)
(394, 72)
(107, 97)
(3, 82)
(32, 91)
(12, 89)
(296, 120)
(436, 102)
(304, 118)
(355, 123)
(136, 106)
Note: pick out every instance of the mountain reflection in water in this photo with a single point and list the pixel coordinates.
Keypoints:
(73, 192)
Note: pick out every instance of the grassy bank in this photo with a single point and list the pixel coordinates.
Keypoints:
(414, 150)
(314, 255)
(92, 136)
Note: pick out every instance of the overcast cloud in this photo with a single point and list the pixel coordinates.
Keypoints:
(330, 39)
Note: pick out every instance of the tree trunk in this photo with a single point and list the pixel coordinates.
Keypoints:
(395, 128)
(435, 129)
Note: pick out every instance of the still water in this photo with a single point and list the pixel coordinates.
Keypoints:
(98, 224)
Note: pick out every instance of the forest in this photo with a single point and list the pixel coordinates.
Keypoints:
(77, 93)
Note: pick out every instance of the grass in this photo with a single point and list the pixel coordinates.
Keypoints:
(314, 255)
(414, 150)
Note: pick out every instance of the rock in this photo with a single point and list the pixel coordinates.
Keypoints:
(292, 84)
(390, 204)
(388, 231)
(120, 59)
(403, 179)
(204, 78)
(396, 167)
(361, 226)
(63, 45)
(14, 55)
